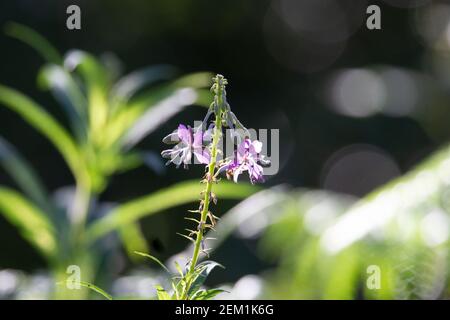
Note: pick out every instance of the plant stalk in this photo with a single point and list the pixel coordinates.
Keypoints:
(208, 189)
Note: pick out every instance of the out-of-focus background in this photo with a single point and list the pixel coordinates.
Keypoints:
(356, 109)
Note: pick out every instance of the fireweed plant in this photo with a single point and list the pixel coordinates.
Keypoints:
(201, 145)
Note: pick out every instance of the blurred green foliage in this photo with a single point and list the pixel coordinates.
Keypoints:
(391, 244)
(108, 116)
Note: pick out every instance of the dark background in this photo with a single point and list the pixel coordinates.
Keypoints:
(277, 80)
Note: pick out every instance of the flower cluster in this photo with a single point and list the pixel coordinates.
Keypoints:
(246, 158)
(196, 142)
(188, 142)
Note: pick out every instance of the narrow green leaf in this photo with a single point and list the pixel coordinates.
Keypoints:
(67, 92)
(180, 288)
(91, 287)
(154, 259)
(95, 76)
(390, 199)
(162, 294)
(176, 294)
(23, 174)
(42, 121)
(206, 294)
(194, 80)
(157, 113)
(92, 70)
(34, 40)
(29, 220)
(204, 97)
(157, 105)
(131, 83)
(201, 272)
(96, 289)
(178, 267)
(173, 196)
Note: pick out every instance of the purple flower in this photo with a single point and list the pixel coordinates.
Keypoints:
(246, 158)
(189, 141)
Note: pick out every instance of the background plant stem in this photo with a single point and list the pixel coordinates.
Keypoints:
(79, 212)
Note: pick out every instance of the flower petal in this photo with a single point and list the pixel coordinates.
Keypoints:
(208, 134)
(171, 138)
(166, 153)
(256, 173)
(186, 157)
(202, 155)
(243, 147)
(236, 174)
(198, 138)
(238, 170)
(185, 134)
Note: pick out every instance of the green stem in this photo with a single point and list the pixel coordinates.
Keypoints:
(208, 189)
(77, 253)
(79, 213)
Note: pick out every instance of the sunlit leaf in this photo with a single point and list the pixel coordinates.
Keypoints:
(23, 174)
(92, 71)
(157, 105)
(417, 187)
(204, 97)
(97, 83)
(178, 194)
(201, 272)
(178, 267)
(158, 114)
(206, 294)
(91, 287)
(196, 80)
(68, 94)
(42, 121)
(176, 291)
(342, 279)
(34, 40)
(154, 259)
(162, 294)
(128, 85)
(32, 223)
